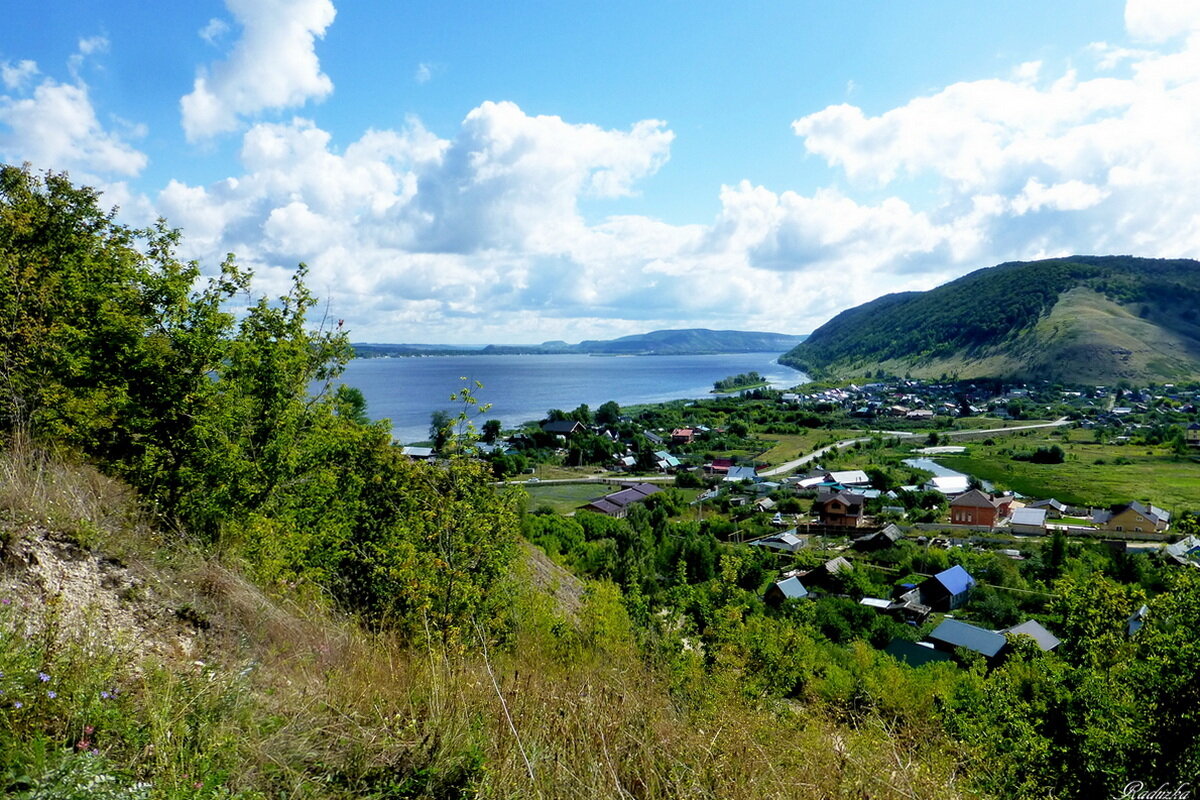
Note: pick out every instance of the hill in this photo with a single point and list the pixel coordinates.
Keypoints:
(1082, 319)
(690, 341)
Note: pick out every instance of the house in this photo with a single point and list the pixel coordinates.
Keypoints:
(786, 589)
(1192, 434)
(665, 461)
(1046, 640)
(764, 504)
(720, 466)
(840, 509)
(563, 427)
(741, 474)
(850, 477)
(1054, 509)
(953, 633)
(1133, 518)
(652, 437)
(826, 575)
(683, 436)
(1028, 520)
(979, 508)
(949, 485)
(879, 540)
(947, 590)
(617, 504)
(1185, 551)
(916, 654)
(417, 453)
(788, 541)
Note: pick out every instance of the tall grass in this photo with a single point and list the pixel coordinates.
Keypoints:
(286, 699)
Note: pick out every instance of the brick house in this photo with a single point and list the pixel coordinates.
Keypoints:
(979, 508)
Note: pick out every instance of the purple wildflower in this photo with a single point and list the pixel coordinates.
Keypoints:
(105, 695)
(5, 602)
(43, 677)
(52, 694)
(17, 704)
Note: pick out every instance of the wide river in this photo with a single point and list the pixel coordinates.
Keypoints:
(525, 387)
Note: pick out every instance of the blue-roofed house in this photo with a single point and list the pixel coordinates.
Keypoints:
(953, 633)
(786, 589)
(947, 590)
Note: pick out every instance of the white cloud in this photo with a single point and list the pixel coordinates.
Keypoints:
(424, 73)
(1160, 20)
(55, 126)
(214, 30)
(272, 66)
(16, 76)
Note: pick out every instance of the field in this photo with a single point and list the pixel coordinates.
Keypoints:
(1093, 474)
(565, 497)
(790, 446)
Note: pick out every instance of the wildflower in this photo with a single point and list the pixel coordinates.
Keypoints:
(18, 704)
(52, 694)
(5, 602)
(43, 677)
(89, 729)
(105, 695)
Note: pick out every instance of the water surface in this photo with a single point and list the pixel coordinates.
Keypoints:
(525, 387)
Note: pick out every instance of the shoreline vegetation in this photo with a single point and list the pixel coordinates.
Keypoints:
(739, 383)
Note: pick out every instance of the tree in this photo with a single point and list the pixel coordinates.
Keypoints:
(440, 423)
(608, 413)
(491, 430)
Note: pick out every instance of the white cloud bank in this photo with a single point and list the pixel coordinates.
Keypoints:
(480, 236)
(54, 125)
(272, 66)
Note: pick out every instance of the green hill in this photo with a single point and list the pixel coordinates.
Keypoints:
(1084, 319)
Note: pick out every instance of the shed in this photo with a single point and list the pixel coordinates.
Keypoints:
(948, 589)
(786, 589)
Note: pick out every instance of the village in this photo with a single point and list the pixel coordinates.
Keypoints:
(837, 520)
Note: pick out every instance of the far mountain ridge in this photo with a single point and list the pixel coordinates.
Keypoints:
(688, 341)
(1078, 319)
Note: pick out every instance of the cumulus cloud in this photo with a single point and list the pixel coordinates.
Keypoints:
(18, 75)
(55, 126)
(1160, 20)
(272, 66)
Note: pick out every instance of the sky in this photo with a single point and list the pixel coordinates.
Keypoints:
(518, 172)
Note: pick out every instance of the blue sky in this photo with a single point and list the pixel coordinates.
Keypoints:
(519, 172)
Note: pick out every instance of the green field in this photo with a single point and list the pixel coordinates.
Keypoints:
(793, 445)
(565, 497)
(1152, 474)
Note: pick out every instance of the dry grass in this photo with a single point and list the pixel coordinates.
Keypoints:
(288, 699)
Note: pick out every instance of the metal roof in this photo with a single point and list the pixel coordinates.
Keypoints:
(956, 580)
(1045, 639)
(792, 588)
(961, 634)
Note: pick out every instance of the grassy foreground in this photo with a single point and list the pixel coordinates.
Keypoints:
(281, 697)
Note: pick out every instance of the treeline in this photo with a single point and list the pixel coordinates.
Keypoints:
(113, 349)
(739, 381)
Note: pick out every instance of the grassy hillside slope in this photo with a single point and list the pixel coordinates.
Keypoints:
(133, 666)
(1082, 319)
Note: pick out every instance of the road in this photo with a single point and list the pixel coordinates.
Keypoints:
(805, 459)
(802, 460)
